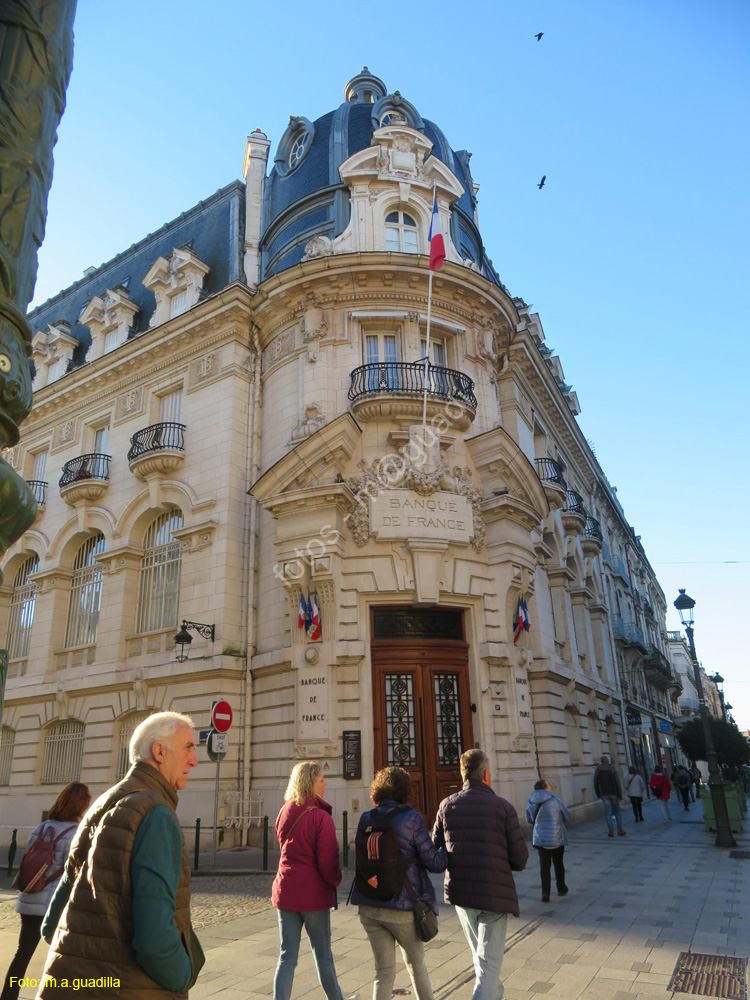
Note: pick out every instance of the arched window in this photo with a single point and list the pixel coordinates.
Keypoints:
(63, 753)
(573, 733)
(127, 727)
(85, 594)
(159, 590)
(22, 603)
(7, 742)
(401, 233)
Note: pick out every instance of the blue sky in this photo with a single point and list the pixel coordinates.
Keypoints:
(634, 253)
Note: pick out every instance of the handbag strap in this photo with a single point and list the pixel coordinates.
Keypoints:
(308, 810)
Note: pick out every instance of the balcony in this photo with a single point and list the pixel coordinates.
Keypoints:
(553, 482)
(395, 389)
(157, 450)
(592, 539)
(620, 569)
(84, 479)
(628, 633)
(658, 669)
(39, 488)
(574, 514)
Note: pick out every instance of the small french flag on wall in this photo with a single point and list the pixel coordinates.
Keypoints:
(437, 246)
(302, 612)
(522, 623)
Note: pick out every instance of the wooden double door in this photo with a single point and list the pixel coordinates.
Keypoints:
(422, 714)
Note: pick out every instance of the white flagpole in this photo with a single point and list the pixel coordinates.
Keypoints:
(427, 354)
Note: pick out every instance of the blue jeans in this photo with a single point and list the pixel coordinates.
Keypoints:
(612, 812)
(485, 932)
(317, 923)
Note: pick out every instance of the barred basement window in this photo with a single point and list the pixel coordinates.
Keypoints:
(7, 741)
(63, 753)
(22, 602)
(85, 594)
(127, 727)
(160, 573)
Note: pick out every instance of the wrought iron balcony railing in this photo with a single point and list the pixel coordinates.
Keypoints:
(158, 437)
(575, 504)
(621, 569)
(592, 529)
(550, 471)
(93, 466)
(399, 377)
(39, 489)
(628, 631)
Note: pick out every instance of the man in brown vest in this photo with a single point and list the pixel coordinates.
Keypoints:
(119, 922)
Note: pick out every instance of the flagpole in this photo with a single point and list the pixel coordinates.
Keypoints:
(427, 353)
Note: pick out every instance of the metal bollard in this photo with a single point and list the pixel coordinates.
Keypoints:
(265, 843)
(346, 839)
(197, 843)
(12, 851)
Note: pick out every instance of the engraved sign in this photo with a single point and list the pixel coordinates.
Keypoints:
(405, 514)
(313, 722)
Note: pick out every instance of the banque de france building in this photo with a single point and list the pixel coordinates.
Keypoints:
(230, 417)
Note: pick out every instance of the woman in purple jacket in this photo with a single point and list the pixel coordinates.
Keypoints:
(391, 920)
(304, 889)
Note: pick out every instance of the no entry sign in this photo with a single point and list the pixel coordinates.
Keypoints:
(221, 716)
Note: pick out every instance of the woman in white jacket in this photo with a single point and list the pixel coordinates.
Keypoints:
(635, 788)
(63, 818)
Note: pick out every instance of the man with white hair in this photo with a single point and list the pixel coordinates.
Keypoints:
(119, 922)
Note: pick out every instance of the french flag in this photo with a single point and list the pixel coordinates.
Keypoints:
(302, 612)
(437, 246)
(314, 628)
(522, 623)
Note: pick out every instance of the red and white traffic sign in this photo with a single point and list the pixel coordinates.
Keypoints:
(221, 716)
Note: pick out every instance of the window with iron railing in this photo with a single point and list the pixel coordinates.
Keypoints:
(159, 588)
(7, 742)
(127, 727)
(22, 604)
(62, 755)
(85, 593)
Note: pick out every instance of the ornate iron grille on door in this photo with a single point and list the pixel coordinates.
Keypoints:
(448, 715)
(399, 713)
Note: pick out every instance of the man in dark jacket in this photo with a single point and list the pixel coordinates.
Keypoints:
(608, 788)
(485, 845)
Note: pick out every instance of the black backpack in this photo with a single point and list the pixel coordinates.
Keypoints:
(381, 867)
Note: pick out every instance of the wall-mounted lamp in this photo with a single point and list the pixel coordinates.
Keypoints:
(183, 638)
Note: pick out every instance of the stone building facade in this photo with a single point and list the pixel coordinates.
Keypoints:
(235, 424)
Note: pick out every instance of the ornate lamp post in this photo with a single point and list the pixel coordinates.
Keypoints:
(183, 638)
(719, 680)
(724, 838)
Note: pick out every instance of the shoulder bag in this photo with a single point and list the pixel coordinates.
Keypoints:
(425, 920)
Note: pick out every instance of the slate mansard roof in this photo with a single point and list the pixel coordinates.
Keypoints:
(213, 228)
(309, 199)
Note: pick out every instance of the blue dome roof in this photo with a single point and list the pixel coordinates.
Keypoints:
(304, 194)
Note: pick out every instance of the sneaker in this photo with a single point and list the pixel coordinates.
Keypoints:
(622, 833)
(563, 891)
(610, 834)
(545, 899)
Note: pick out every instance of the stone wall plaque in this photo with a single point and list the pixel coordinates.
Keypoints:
(313, 703)
(438, 517)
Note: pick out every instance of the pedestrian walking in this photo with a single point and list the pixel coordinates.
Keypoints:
(304, 889)
(635, 787)
(608, 788)
(485, 846)
(548, 816)
(697, 778)
(683, 781)
(60, 826)
(661, 786)
(387, 921)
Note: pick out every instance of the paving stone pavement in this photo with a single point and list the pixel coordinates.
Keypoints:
(635, 904)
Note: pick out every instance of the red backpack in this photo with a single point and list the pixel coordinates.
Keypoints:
(33, 872)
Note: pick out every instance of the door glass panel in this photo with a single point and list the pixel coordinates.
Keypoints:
(381, 350)
(448, 715)
(401, 749)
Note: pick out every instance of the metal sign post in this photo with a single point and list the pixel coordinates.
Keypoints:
(217, 748)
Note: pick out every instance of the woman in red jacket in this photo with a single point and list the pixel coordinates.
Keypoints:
(304, 889)
(661, 786)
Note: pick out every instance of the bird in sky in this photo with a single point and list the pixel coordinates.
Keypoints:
(539, 36)
(540, 185)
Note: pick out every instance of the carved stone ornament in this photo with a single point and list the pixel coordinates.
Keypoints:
(36, 39)
(395, 472)
(314, 327)
(318, 246)
(306, 426)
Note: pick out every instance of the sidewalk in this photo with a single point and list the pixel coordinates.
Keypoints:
(635, 904)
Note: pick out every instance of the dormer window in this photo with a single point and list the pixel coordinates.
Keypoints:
(176, 281)
(109, 319)
(401, 233)
(52, 351)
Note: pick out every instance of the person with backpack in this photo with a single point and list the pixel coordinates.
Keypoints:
(394, 853)
(39, 873)
(683, 781)
(548, 816)
(661, 786)
(304, 889)
(635, 787)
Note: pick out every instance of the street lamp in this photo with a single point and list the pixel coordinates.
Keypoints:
(718, 680)
(183, 638)
(724, 838)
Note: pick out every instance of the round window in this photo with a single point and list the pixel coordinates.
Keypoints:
(298, 149)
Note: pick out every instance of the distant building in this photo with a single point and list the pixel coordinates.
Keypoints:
(231, 427)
